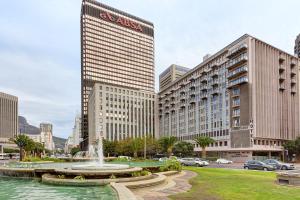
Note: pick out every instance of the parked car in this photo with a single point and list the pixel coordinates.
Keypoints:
(223, 161)
(125, 157)
(279, 165)
(258, 165)
(163, 159)
(192, 162)
(158, 156)
(204, 162)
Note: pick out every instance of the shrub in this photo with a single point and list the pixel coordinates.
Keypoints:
(81, 178)
(112, 176)
(61, 176)
(136, 174)
(144, 173)
(171, 165)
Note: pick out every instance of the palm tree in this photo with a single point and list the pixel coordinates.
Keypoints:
(203, 142)
(136, 146)
(21, 141)
(167, 144)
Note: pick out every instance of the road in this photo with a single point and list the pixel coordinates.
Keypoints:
(237, 166)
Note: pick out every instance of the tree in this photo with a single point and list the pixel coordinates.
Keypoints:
(136, 145)
(74, 150)
(109, 147)
(21, 141)
(203, 142)
(152, 146)
(123, 147)
(293, 146)
(38, 148)
(29, 147)
(167, 144)
(183, 149)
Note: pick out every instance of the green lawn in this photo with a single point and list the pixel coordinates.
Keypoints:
(226, 184)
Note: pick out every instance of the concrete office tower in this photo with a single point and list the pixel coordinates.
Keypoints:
(297, 46)
(76, 134)
(171, 74)
(47, 135)
(118, 113)
(246, 97)
(74, 139)
(117, 49)
(8, 119)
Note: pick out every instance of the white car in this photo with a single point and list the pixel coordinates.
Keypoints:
(163, 159)
(204, 162)
(223, 161)
(193, 162)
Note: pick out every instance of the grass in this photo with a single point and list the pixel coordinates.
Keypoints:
(226, 184)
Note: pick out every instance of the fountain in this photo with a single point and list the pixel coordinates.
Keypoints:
(98, 162)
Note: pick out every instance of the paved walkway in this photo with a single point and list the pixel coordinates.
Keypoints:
(174, 184)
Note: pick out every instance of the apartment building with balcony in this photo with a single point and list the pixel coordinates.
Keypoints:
(246, 97)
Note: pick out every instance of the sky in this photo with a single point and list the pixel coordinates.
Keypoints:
(40, 44)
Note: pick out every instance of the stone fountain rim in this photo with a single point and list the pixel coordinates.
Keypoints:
(98, 172)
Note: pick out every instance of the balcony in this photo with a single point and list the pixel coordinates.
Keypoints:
(237, 72)
(182, 104)
(204, 95)
(238, 81)
(215, 91)
(281, 68)
(234, 105)
(192, 100)
(237, 61)
(281, 87)
(293, 71)
(281, 58)
(214, 65)
(203, 87)
(215, 74)
(293, 90)
(203, 79)
(192, 79)
(293, 80)
(237, 50)
(281, 77)
(215, 82)
(193, 86)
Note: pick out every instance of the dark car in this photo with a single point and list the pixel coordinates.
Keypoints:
(279, 165)
(258, 165)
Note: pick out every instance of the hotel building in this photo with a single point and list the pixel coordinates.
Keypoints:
(8, 120)
(297, 46)
(8, 117)
(117, 50)
(246, 97)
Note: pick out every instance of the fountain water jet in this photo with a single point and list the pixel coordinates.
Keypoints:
(98, 163)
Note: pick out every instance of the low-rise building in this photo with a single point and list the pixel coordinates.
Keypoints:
(246, 97)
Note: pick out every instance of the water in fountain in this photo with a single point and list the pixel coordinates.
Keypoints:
(98, 163)
(100, 152)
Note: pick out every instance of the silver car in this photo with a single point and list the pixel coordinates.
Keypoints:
(192, 162)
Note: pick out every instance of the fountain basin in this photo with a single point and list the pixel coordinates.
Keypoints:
(96, 166)
(89, 173)
(289, 177)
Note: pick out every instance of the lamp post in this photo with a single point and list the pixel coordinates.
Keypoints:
(145, 147)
